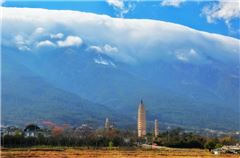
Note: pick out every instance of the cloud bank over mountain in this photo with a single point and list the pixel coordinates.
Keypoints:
(126, 40)
(185, 76)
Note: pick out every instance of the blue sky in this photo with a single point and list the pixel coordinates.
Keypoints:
(188, 13)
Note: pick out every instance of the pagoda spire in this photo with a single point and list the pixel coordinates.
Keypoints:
(141, 122)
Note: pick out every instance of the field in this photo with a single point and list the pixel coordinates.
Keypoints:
(105, 153)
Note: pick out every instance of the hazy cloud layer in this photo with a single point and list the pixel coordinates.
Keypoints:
(131, 41)
(2, 1)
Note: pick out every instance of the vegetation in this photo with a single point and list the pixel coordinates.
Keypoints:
(72, 139)
(176, 138)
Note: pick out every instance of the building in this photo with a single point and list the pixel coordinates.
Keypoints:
(156, 130)
(141, 122)
(33, 130)
(3, 130)
(107, 124)
(10, 130)
(83, 131)
(234, 149)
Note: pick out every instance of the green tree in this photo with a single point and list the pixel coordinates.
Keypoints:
(210, 145)
(110, 145)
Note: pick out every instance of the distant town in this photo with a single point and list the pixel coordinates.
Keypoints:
(109, 136)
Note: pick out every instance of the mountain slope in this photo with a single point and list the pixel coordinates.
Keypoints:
(193, 99)
(26, 97)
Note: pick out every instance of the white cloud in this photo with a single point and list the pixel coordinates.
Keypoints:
(121, 7)
(24, 48)
(125, 40)
(70, 41)
(173, 3)
(97, 49)
(39, 30)
(57, 36)
(109, 49)
(116, 3)
(104, 49)
(45, 43)
(186, 56)
(222, 10)
(102, 61)
(19, 40)
(22, 43)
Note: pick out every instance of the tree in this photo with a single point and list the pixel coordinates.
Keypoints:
(110, 145)
(210, 145)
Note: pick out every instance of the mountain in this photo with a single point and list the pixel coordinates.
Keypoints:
(26, 98)
(185, 77)
(190, 99)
